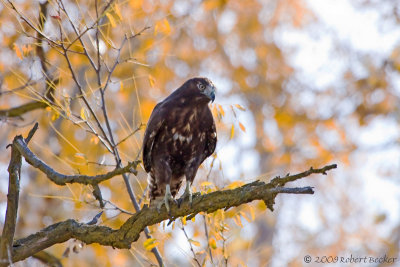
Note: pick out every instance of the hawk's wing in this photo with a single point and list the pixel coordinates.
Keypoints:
(211, 135)
(152, 129)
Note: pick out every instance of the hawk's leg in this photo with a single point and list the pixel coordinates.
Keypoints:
(188, 193)
(167, 197)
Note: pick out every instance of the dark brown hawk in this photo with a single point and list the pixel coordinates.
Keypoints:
(179, 136)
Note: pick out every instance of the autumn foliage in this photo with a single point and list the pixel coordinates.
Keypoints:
(90, 73)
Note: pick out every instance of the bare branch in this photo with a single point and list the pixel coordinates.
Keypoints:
(20, 110)
(278, 181)
(14, 170)
(62, 179)
(130, 231)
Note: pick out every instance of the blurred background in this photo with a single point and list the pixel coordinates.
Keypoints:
(299, 84)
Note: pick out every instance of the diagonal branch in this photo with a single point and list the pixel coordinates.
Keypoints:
(130, 231)
(62, 179)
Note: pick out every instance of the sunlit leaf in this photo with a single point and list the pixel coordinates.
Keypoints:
(111, 19)
(213, 243)
(221, 110)
(118, 12)
(150, 243)
(94, 140)
(83, 113)
(184, 220)
(232, 131)
(252, 213)
(80, 156)
(238, 221)
(151, 81)
(162, 26)
(26, 49)
(235, 184)
(18, 52)
(242, 127)
(206, 183)
(245, 217)
(194, 242)
(240, 107)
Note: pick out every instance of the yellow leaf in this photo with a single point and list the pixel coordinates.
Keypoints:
(235, 184)
(213, 243)
(162, 26)
(83, 114)
(240, 107)
(111, 19)
(55, 116)
(95, 140)
(242, 127)
(194, 242)
(18, 52)
(151, 81)
(80, 156)
(184, 220)
(252, 214)
(26, 49)
(121, 86)
(245, 216)
(221, 110)
(211, 4)
(232, 132)
(193, 219)
(150, 243)
(206, 183)
(118, 12)
(238, 221)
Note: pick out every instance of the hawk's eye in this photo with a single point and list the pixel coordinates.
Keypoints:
(201, 86)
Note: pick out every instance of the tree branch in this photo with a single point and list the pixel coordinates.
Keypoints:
(24, 108)
(130, 231)
(62, 179)
(14, 169)
(48, 259)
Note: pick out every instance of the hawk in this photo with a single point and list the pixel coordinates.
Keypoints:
(179, 136)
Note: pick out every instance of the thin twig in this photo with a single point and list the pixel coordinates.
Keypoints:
(129, 135)
(208, 238)
(191, 246)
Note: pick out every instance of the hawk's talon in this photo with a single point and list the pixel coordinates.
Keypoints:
(167, 198)
(187, 193)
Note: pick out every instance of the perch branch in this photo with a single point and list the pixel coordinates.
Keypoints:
(129, 232)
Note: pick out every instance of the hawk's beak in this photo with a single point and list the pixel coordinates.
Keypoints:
(212, 96)
(210, 92)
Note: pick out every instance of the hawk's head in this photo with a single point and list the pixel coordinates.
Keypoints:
(204, 86)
